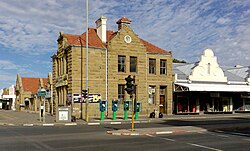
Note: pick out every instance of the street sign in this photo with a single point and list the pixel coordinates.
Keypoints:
(42, 92)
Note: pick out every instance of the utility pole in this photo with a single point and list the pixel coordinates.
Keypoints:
(87, 61)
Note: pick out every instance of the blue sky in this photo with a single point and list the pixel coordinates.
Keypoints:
(29, 29)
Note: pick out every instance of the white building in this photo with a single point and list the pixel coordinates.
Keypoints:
(207, 87)
(9, 99)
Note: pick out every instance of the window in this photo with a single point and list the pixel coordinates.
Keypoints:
(151, 95)
(133, 64)
(152, 64)
(121, 91)
(121, 64)
(163, 66)
(208, 68)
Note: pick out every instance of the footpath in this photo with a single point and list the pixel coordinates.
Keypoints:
(25, 118)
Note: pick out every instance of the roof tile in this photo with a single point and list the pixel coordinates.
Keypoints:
(31, 84)
(95, 41)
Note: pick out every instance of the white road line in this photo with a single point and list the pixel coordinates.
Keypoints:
(28, 124)
(70, 124)
(150, 135)
(242, 134)
(167, 139)
(234, 133)
(134, 134)
(218, 135)
(48, 124)
(201, 146)
(93, 123)
(166, 132)
(223, 136)
(115, 123)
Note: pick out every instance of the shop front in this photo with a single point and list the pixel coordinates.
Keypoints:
(206, 88)
(210, 99)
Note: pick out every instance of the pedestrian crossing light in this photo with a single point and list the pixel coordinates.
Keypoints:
(130, 85)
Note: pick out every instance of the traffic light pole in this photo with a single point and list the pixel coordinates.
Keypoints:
(133, 119)
(131, 88)
(134, 108)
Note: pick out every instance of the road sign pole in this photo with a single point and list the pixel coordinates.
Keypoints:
(44, 110)
(133, 115)
(40, 118)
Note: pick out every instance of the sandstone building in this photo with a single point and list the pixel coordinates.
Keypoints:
(112, 56)
(26, 93)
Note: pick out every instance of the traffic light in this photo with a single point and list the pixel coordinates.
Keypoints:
(130, 85)
(126, 105)
(85, 94)
(102, 106)
(114, 106)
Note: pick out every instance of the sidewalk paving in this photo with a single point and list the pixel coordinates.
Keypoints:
(28, 118)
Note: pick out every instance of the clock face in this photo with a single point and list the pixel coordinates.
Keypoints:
(127, 39)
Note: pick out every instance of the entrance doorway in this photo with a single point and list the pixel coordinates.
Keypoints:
(162, 103)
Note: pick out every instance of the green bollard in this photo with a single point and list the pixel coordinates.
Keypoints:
(102, 116)
(125, 115)
(114, 115)
(136, 115)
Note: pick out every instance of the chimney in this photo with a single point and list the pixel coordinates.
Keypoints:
(101, 28)
(123, 22)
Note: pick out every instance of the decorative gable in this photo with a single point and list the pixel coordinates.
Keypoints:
(208, 69)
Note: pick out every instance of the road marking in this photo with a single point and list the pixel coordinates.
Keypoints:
(48, 124)
(234, 133)
(150, 135)
(201, 146)
(166, 132)
(223, 136)
(28, 124)
(70, 124)
(219, 135)
(93, 123)
(167, 139)
(242, 134)
(115, 123)
(134, 134)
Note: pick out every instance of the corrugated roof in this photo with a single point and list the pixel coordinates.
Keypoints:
(232, 73)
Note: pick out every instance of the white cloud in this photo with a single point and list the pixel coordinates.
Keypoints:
(6, 65)
(31, 27)
(7, 77)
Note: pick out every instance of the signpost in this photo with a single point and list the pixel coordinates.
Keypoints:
(42, 93)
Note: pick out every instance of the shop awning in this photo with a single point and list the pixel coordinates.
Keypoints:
(211, 87)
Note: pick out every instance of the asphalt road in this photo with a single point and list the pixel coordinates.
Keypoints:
(94, 138)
